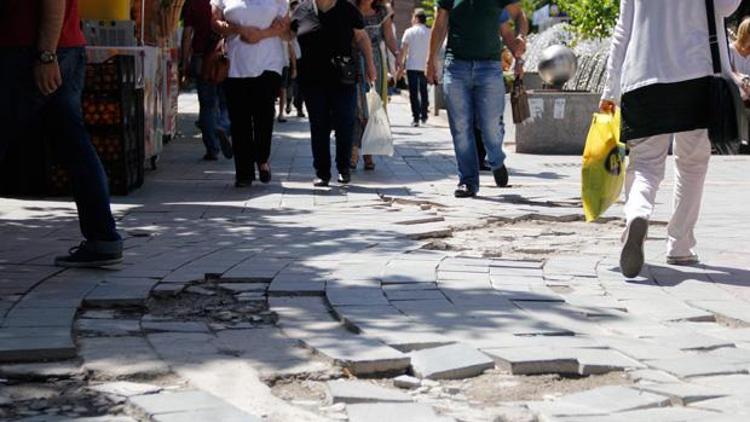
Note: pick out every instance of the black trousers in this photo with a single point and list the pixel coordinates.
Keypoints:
(330, 107)
(420, 101)
(251, 105)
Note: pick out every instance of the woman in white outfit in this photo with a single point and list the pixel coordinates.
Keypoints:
(659, 69)
(740, 51)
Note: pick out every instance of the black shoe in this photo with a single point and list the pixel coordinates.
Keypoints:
(288, 110)
(320, 183)
(210, 157)
(463, 191)
(415, 123)
(631, 258)
(344, 178)
(281, 120)
(484, 166)
(243, 183)
(226, 144)
(300, 113)
(264, 175)
(424, 119)
(501, 176)
(82, 257)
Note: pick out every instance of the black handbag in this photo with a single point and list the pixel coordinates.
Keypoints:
(346, 69)
(727, 122)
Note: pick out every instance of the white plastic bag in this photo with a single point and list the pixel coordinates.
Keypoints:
(377, 138)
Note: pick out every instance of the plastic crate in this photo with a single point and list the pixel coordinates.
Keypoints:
(109, 33)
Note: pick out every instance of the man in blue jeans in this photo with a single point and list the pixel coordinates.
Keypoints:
(473, 81)
(42, 70)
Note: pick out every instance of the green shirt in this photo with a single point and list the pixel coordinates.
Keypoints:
(473, 28)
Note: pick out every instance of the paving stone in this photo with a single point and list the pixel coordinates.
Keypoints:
(344, 391)
(183, 404)
(652, 376)
(109, 327)
(731, 405)
(455, 361)
(404, 272)
(40, 317)
(244, 287)
(698, 366)
(62, 369)
(120, 356)
(33, 349)
(534, 360)
(692, 341)
(406, 381)
(168, 289)
(296, 288)
(600, 361)
(683, 394)
(121, 292)
(203, 415)
(174, 326)
(665, 414)
(612, 399)
(728, 310)
(349, 296)
(378, 412)
(125, 388)
(414, 295)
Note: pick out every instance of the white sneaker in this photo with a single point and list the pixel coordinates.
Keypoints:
(683, 260)
(631, 258)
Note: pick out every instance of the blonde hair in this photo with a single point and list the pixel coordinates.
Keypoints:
(743, 34)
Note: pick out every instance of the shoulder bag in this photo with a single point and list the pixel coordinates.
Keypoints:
(519, 101)
(215, 67)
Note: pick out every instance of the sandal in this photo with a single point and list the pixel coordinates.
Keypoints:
(369, 164)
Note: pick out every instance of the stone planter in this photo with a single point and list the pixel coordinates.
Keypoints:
(559, 123)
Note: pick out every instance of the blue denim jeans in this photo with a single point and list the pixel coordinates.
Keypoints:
(475, 95)
(213, 108)
(23, 110)
(331, 107)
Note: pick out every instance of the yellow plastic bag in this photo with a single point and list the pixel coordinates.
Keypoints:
(603, 165)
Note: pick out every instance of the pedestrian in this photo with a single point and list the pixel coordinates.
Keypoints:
(326, 30)
(415, 47)
(740, 54)
(294, 95)
(43, 66)
(198, 40)
(379, 27)
(659, 72)
(253, 31)
(473, 83)
(286, 83)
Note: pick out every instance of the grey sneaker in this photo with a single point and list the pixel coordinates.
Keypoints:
(631, 259)
(82, 256)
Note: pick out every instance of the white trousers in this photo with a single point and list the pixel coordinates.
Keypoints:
(692, 150)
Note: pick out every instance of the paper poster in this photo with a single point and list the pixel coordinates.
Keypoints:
(536, 106)
(559, 112)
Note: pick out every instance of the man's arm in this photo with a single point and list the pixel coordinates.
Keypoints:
(47, 75)
(401, 58)
(437, 36)
(249, 34)
(187, 51)
(517, 15)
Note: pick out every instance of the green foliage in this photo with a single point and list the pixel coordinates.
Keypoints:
(592, 18)
(429, 8)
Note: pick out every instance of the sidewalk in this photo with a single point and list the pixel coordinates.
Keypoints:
(390, 274)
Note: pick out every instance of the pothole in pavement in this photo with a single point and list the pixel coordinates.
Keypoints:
(530, 239)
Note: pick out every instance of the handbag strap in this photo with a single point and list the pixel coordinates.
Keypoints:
(713, 38)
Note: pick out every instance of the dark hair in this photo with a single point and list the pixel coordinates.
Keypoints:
(376, 4)
(420, 14)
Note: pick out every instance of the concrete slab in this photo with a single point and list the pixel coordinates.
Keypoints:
(455, 361)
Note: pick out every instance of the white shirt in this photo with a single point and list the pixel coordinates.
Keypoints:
(663, 41)
(741, 64)
(252, 60)
(418, 39)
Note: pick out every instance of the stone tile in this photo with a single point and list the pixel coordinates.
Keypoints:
(120, 356)
(125, 388)
(683, 394)
(379, 412)
(175, 326)
(350, 392)
(224, 414)
(534, 360)
(32, 349)
(698, 366)
(401, 272)
(600, 361)
(728, 310)
(612, 399)
(732, 405)
(665, 414)
(40, 317)
(400, 295)
(121, 292)
(179, 402)
(109, 327)
(244, 287)
(62, 369)
(456, 361)
(406, 382)
(349, 296)
(297, 288)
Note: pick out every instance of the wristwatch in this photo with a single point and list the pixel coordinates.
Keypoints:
(46, 57)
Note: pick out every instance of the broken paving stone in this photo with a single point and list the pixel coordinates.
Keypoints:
(244, 287)
(699, 366)
(109, 327)
(406, 381)
(344, 391)
(455, 361)
(178, 327)
(125, 388)
(168, 289)
(251, 297)
(611, 399)
(63, 369)
(683, 394)
(535, 360)
(200, 291)
(378, 412)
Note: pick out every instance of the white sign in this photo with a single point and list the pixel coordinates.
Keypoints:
(536, 107)
(559, 113)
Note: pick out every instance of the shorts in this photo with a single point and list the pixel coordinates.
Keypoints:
(286, 78)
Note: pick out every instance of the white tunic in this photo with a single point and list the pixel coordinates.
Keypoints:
(663, 41)
(251, 60)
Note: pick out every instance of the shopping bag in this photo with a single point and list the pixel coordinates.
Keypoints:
(603, 165)
(377, 138)
(519, 101)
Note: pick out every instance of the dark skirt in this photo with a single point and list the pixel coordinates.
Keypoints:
(665, 108)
